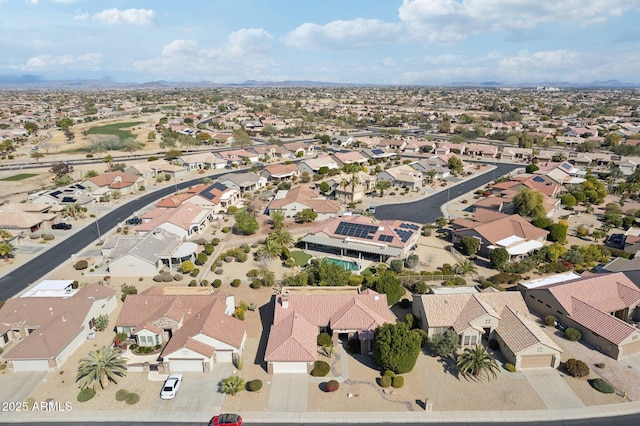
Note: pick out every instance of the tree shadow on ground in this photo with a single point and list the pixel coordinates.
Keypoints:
(449, 366)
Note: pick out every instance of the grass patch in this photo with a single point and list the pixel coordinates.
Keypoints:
(20, 176)
(300, 257)
(117, 129)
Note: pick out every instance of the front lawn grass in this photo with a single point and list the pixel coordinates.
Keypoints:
(20, 176)
(300, 257)
(117, 129)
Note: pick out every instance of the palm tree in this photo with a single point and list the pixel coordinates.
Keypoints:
(431, 173)
(382, 185)
(343, 184)
(465, 267)
(231, 385)
(354, 181)
(102, 366)
(268, 251)
(108, 159)
(6, 250)
(277, 218)
(5, 235)
(475, 361)
(281, 236)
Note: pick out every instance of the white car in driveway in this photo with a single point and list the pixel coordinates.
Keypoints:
(171, 386)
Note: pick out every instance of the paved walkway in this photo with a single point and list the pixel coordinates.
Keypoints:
(552, 388)
(289, 393)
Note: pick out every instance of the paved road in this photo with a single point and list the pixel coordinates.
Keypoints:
(428, 210)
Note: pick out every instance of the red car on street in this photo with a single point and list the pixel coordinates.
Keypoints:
(226, 420)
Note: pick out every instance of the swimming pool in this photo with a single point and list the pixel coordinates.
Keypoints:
(346, 264)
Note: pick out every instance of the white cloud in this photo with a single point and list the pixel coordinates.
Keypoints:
(129, 16)
(249, 41)
(67, 1)
(454, 20)
(81, 16)
(44, 62)
(180, 48)
(338, 35)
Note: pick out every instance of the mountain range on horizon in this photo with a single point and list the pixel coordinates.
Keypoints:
(34, 82)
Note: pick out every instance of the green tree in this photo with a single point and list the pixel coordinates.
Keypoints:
(531, 168)
(307, 215)
(36, 155)
(232, 385)
(465, 267)
(101, 367)
(383, 185)
(6, 250)
(277, 219)
(431, 174)
(90, 174)
(241, 138)
(60, 168)
(568, 200)
(441, 222)
(323, 273)
(109, 160)
(455, 164)
(387, 283)
(245, 224)
(474, 362)
(498, 257)
(469, 245)
(557, 232)
(268, 251)
(31, 127)
(528, 203)
(324, 187)
(445, 344)
(396, 347)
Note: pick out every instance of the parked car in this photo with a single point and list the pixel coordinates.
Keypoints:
(61, 225)
(226, 419)
(171, 386)
(134, 221)
(371, 209)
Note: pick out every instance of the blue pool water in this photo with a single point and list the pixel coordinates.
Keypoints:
(346, 264)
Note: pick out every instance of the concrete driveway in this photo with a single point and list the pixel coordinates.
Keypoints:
(19, 386)
(289, 392)
(552, 388)
(198, 392)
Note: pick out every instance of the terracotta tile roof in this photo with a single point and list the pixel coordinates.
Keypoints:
(311, 198)
(184, 217)
(115, 180)
(293, 338)
(200, 347)
(282, 169)
(604, 324)
(520, 333)
(471, 311)
(510, 225)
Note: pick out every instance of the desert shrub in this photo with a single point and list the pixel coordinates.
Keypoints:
(396, 265)
(167, 278)
(121, 395)
(246, 248)
(421, 287)
(601, 385)
(157, 278)
(332, 386)
(218, 263)
(355, 280)
(599, 364)
(48, 237)
(290, 263)
(235, 283)
(253, 273)
(225, 230)
(389, 373)
(80, 265)
(195, 272)
(455, 281)
(397, 382)
(320, 369)
(204, 283)
(510, 367)
(572, 334)
(505, 278)
(193, 283)
(241, 257)
(86, 394)
(576, 368)
(550, 320)
(177, 277)
(228, 259)
(255, 385)
(132, 398)
(219, 271)
(216, 283)
(215, 241)
(385, 381)
(256, 284)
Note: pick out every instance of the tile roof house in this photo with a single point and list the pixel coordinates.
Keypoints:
(197, 331)
(344, 191)
(350, 157)
(512, 232)
(270, 151)
(361, 236)
(41, 333)
(300, 149)
(75, 193)
(111, 182)
(403, 175)
(238, 156)
(299, 318)
(217, 193)
(300, 197)
(603, 307)
(489, 315)
(202, 161)
(184, 221)
(281, 171)
(243, 181)
(313, 165)
(28, 217)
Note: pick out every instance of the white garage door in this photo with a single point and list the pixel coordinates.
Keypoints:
(290, 367)
(31, 365)
(536, 361)
(224, 356)
(177, 365)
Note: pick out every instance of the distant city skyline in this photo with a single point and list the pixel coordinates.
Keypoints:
(349, 41)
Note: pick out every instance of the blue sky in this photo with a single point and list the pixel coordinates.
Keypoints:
(346, 41)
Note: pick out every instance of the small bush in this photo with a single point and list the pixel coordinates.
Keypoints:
(385, 381)
(572, 334)
(157, 278)
(195, 272)
(602, 385)
(253, 273)
(397, 382)
(353, 346)
(576, 368)
(177, 277)
(217, 283)
(599, 364)
(86, 394)
(121, 395)
(193, 283)
(167, 278)
(320, 369)
(332, 386)
(48, 237)
(255, 385)
(550, 320)
(235, 283)
(389, 373)
(421, 287)
(510, 367)
(219, 271)
(228, 259)
(225, 230)
(204, 283)
(80, 265)
(256, 284)
(132, 398)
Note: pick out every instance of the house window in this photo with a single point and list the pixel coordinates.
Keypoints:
(474, 340)
(157, 339)
(5, 337)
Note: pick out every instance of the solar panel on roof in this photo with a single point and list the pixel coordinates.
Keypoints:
(566, 166)
(538, 179)
(377, 151)
(403, 234)
(355, 230)
(69, 200)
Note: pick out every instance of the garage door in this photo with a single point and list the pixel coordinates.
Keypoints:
(186, 365)
(631, 348)
(536, 361)
(224, 356)
(31, 365)
(290, 367)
